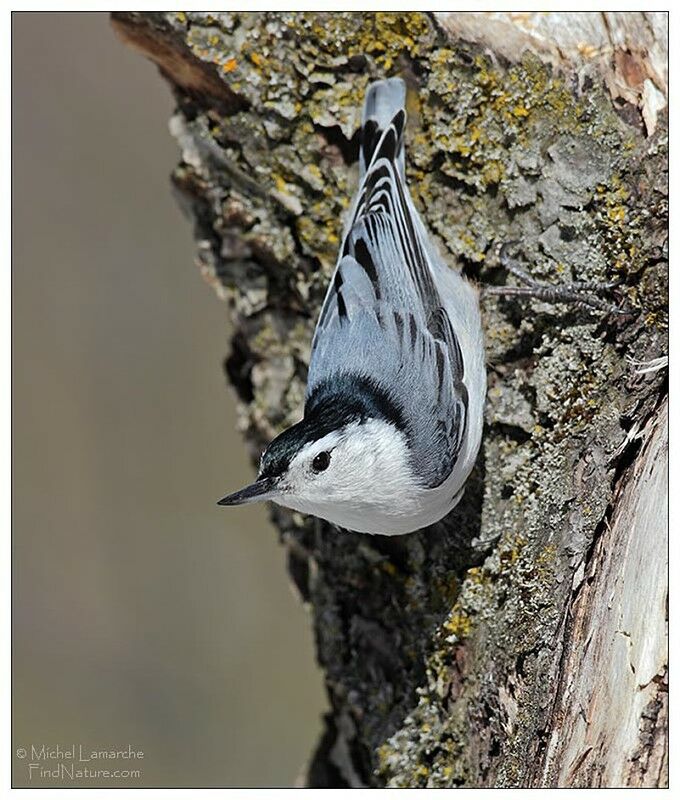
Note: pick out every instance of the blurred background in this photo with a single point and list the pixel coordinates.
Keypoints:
(143, 614)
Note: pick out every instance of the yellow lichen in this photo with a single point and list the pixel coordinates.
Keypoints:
(459, 624)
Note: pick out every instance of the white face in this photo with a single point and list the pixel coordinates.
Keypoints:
(368, 476)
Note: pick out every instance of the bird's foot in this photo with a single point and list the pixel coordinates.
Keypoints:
(584, 294)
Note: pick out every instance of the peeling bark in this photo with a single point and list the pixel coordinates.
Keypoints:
(614, 666)
(522, 641)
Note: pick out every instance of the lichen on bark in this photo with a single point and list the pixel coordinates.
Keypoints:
(442, 650)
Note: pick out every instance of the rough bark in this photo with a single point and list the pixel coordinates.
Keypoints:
(521, 642)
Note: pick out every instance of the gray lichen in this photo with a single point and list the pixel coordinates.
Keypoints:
(440, 649)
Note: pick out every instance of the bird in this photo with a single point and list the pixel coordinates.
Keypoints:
(396, 385)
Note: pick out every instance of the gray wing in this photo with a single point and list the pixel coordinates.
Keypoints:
(383, 317)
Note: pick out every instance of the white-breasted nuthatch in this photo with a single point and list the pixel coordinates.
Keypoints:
(397, 382)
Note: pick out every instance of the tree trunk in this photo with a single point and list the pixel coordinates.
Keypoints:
(522, 641)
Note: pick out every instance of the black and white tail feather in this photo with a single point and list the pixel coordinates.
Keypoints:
(384, 112)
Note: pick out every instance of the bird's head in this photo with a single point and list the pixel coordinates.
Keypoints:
(345, 462)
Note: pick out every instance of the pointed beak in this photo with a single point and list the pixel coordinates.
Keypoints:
(262, 489)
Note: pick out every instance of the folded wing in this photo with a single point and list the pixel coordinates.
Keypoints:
(383, 316)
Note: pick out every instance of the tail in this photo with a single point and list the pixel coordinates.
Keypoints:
(382, 124)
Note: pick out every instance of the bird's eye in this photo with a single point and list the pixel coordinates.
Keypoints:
(321, 461)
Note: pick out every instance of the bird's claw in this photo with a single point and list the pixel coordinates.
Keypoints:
(579, 293)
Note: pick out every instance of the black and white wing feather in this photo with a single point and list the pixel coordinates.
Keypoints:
(383, 317)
